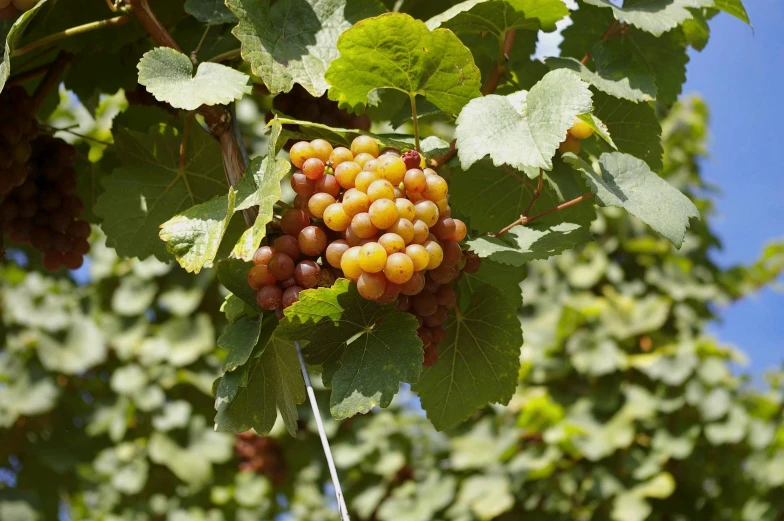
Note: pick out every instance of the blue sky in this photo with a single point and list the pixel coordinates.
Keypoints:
(740, 74)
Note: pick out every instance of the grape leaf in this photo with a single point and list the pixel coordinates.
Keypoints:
(260, 187)
(653, 16)
(589, 24)
(617, 73)
(274, 383)
(634, 127)
(212, 12)
(395, 51)
(733, 7)
(150, 187)
(627, 182)
(478, 361)
(664, 57)
(366, 349)
(295, 41)
(11, 32)
(239, 338)
(599, 128)
(168, 75)
(522, 130)
(233, 274)
(522, 244)
(503, 277)
(193, 236)
(497, 16)
(696, 31)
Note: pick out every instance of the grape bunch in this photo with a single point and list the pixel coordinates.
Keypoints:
(18, 128)
(580, 130)
(10, 9)
(377, 219)
(43, 211)
(260, 455)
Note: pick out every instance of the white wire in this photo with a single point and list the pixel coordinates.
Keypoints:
(342, 510)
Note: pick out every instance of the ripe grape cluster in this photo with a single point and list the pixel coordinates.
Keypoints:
(18, 128)
(11, 8)
(43, 211)
(580, 130)
(260, 454)
(374, 217)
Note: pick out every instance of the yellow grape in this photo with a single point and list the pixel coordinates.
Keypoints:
(362, 226)
(335, 252)
(321, 149)
(419, 256)
(362, 159)
(352, 239)
(400, 192)
(364, 144)
(436, 254)
(580, 129)
(436, 188)
(380, 189)
(300, 152)
(460, 231)
(372, 257)
(421, 231)
(427, 212)
(364, 179)
(392, 243)
(355, 202)
(383, 213)
(346, 172)
(570, 144)
(318, 203)
(391, 168)
(443, 207)
(349, 263)
(429, 171)
(336, 218)
(415, 181)
(340, 155)
(372, 285)
(399, 268)
(404, 228)
(405, 208)
(371, 165)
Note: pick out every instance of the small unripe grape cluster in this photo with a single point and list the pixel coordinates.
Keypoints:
(18, 128)
(580, 130)
(377, 218)
(43, 211)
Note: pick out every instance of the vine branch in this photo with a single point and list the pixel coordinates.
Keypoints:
(51, 79)
(414, 119)
(443, 159)
(523, 220)
(536, 195)
(71, 31)
(505, 48)
(609, 33)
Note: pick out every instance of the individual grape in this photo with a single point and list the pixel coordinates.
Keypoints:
(371, 285)
(287, 245)
(438, 333)
(405, 208)
(355, 202)
(425, 336)
(301, 203)
(427, 212)
(419, 256)
(473, 262)
(404, 228)
(371, 165)
(349, 263)
(364, 144)
(443, 274)
(329, 185)
(290, 296)
(403, 301)
(460, 231)
(372, 257)
(412, 159)
(443, 208)
(430, 354)
(436, 188)
(429, 171)
(313, 168)
(570, 144)
(363, 159)
(399, 194)
(436, 254)
(421, 231)
(380, 189)
(293, 221)
(340, 155)
(300, 152)
(424, 304)
(258, 276)
(399, 268)
(346, 173)
(431, 286)
(444, 228)
(452, 253)
(321, 149)
(335, 251)
(414, 285)
(318, 203)
(307, 274)
(383, 213)
(352, 239)
(392, 168)
(336, 218)
(312, 240)
(52, 261)
(302, 185)
(446, 297)
(364, 179)
(362, 226)
(392, 243)
(438, 318)
(72, 260)
(390, 151)
(288, 282)
(580, 129)
(269, 297)
(391, 292)
(281, 266)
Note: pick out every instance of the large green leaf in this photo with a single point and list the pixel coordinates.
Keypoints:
(522, 244)
(150, 187)
(522, 130)
(504, 277)
(212, 12)
(11, 32)
(239, 338)
(627, 182)
(366, 349)
(733, 7)
(295, 41)
(168, 75)
(499, 16)
(477, 363)
(654, 16)
(665, 57)
(395, 51)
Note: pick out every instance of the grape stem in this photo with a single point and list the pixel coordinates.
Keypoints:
(195, 52)
(535, 196)
(412, 97)
(226, 56)
(77, 134)
(526, 220)
(504, 50)
(79, 29)
(443, 159)
(518, 177)
(609, 33)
